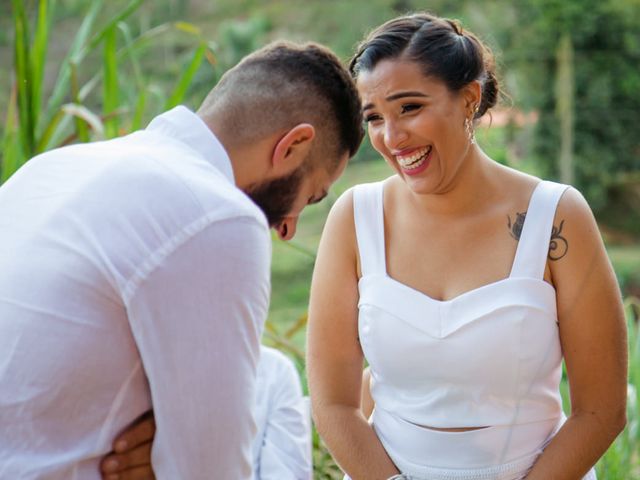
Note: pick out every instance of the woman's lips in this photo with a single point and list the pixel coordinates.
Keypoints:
(416, 162)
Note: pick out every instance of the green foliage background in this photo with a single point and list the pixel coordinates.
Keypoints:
(85, 70)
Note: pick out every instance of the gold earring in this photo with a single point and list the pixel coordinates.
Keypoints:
(468, 126)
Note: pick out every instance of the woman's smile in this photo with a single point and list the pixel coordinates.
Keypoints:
(416, 161)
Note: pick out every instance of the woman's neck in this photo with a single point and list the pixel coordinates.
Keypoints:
(471, 189)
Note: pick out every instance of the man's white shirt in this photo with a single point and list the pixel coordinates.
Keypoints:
(132, 272)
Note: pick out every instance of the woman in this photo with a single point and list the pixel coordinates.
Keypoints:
(463, 283)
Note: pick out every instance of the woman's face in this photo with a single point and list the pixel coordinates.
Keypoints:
(416, 123)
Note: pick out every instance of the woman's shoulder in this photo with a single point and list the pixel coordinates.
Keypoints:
(343, 206)
(571, 203)
(517, 180)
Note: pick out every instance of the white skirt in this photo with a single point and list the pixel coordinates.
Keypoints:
(492, 453)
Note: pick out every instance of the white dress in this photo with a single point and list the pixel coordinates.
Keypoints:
(490, 356)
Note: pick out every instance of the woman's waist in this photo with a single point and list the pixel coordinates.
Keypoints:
(460, 407)
(492, 445)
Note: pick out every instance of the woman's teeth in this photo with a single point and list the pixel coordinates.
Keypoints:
(414, 160)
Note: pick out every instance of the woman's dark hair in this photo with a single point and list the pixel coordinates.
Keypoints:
(440, 46)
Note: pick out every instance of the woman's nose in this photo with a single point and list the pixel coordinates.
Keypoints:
(395, 137)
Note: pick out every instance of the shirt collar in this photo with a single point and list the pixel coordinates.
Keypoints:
(183, 125)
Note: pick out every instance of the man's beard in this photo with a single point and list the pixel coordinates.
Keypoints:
(276, 197)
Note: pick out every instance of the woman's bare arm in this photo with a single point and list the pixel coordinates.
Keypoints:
(334, 356)
(593, 337)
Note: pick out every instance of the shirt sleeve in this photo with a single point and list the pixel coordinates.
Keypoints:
(197, 318)
(286, 447)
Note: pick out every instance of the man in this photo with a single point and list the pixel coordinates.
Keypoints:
(134, 273)
(281, 449)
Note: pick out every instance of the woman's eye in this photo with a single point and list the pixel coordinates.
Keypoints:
(411, 107)
(372, 118)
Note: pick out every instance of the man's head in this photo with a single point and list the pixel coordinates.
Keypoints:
(289, 117)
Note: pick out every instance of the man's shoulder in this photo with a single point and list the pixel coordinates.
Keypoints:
(207, 184)
(167, 176)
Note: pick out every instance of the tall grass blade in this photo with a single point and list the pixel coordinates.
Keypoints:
(138, 113)
(111, 24)
(185, 80)
(88, 116)
(82, 131)
(110, 82)
(51, 128)
(12, 156)
(132, 54)
(24, 78)
(141, 86)
(84, 43)
(134, 47)
(61, 84)
(38, 60)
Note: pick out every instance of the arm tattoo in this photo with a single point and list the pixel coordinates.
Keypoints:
(558, 246)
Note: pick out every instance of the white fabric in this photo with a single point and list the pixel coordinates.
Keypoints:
(489, 357)
(282, 447)
(133, 273)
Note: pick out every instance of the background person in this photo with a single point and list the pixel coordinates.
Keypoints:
(134, 273)
(282, 447)
(464, 283)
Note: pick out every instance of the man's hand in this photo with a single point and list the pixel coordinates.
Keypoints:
(130, 458)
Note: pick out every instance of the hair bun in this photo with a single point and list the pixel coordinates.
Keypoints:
(490, 90)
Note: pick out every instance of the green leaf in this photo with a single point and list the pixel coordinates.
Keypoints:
(82, 131)
(38, 59)
(61, 84)
(51, 128)
(131, 48)
(82, 112)
(138, 113)
(82, 45)
(185, 80)
(132, 54)
(12, 156)
(188, 28)
(110, 82)
(110, 25)
(23, 78)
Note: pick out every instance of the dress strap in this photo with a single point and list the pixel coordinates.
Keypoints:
(536, 237)
(369, 220)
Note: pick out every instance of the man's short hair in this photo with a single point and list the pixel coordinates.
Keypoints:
(285, 84)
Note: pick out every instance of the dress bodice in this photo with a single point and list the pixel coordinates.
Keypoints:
(490, 356)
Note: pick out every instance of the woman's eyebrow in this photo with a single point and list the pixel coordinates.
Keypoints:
(397, 96)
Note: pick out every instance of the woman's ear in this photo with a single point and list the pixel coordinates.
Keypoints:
(472, 95)
(293, 148)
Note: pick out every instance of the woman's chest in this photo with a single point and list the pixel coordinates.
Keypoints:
(444, 261)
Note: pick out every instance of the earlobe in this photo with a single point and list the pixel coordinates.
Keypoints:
(293, 147)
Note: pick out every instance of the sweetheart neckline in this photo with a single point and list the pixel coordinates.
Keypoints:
(459, 296)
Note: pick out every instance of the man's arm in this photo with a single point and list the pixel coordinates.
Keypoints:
(197, 317)
(130, 458)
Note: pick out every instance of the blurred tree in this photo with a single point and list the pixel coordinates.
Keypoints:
(598, 43)
(239, 38)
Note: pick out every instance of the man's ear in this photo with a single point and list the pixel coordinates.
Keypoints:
(293, 148)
